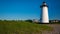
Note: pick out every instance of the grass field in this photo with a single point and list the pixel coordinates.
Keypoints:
(21, 27)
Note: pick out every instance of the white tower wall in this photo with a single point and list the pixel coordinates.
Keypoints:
(45, 18)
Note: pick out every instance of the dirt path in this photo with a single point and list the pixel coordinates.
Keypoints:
(56, 29)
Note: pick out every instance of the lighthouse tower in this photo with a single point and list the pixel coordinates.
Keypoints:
(44, 15)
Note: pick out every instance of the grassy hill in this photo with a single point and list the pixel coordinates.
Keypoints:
(21, 27)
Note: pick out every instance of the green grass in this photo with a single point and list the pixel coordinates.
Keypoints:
(20, 27)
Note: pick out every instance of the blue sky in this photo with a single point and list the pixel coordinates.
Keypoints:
(27, 9)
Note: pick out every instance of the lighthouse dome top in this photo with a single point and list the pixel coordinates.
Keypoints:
(44, 4)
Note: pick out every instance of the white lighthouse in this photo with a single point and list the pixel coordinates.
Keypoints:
(44, 15)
